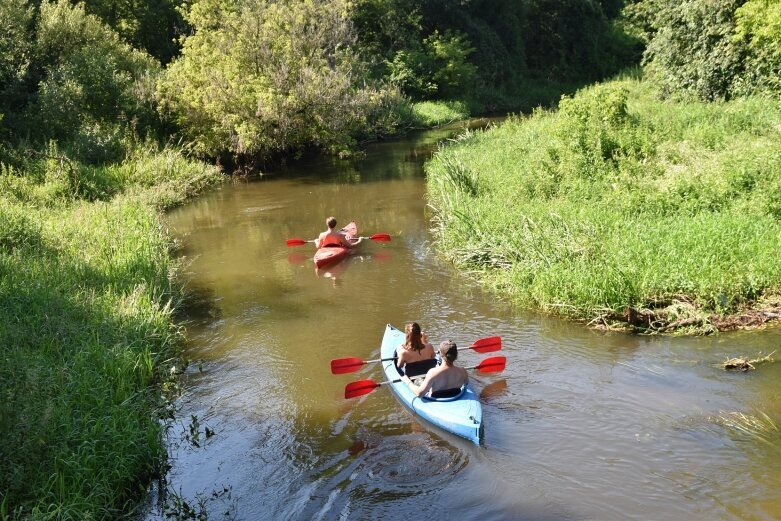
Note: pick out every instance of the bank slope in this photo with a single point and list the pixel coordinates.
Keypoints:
(87, 335)
(621, 209)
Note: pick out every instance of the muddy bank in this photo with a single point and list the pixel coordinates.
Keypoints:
(681, 316)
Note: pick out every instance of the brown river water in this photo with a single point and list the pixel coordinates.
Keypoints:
(582, 425)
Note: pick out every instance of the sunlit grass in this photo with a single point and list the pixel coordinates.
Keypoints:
(434, 113)
(618, 201)
(86, 299)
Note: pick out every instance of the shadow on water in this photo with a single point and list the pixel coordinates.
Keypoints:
(198, 305)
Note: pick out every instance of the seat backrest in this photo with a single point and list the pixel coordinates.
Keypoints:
(417, 368)
(447, 393)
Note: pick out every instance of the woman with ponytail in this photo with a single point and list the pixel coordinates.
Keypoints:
(415, 356)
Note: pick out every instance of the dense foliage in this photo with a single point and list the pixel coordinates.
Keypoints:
(73, 80)
(716, 49)
(154, 26)
(488, 49)
(620, 202)
(258, 77)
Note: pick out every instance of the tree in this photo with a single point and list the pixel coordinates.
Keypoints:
(693, 49)
(262, 76)
(15, 50)
(92, 85)
(758, 24)
(152, 25)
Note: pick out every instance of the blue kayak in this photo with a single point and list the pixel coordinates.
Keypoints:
(461, 415)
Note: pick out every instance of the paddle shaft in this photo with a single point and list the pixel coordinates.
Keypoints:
(394, 358)
(382, 237)
(352, 364)
(359, 388)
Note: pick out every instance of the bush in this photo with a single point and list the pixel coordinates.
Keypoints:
(94, 85)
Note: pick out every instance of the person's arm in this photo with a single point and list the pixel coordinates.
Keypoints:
(350, 244)
(400, 359)
(423, 388)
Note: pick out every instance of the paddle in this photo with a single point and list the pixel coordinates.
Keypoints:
(351, 364)
(298, 242)
(382, 237)
(361, 387)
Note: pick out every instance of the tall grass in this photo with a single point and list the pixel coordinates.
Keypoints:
(619, 200)
(87, 332)
(428, 114)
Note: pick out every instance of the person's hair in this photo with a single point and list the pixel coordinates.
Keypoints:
(331, 222)
(413, 338)
(449, 351)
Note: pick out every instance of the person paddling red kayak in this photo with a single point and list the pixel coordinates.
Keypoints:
(334, 245)
(333, 237)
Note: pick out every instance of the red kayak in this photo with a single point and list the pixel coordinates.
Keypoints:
(331, 254)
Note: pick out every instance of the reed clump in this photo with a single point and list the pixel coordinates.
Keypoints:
(87, 334)
(758, 427)
(621, 210)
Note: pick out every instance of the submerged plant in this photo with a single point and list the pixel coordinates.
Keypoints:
(759, 427)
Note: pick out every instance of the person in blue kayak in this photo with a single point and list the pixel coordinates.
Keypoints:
(416, 355)
(334, 237)
(444, 380)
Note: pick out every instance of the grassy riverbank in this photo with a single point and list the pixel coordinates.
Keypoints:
(87, 334)
(531, 94)
(620, 209)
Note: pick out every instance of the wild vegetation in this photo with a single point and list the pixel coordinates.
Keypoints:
(111, 110)
(86, 291)
(87, 336)
(254, 79)
(643, 203)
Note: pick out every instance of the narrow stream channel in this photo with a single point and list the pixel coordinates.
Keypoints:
(581, 425)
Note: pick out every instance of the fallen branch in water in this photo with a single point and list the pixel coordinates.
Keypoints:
(744, 364)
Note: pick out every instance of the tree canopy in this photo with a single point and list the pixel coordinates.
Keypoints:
(258, 76)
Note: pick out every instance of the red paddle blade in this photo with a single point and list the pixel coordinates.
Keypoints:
(487, 345)
(359, 388)
(295, 242)
(384, 237)
(346, 365)
(492, 365)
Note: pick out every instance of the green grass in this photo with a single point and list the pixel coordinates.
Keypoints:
(87, 335)
(619, 200)
(434, 113)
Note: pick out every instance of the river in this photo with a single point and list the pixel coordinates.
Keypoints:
(581, 424)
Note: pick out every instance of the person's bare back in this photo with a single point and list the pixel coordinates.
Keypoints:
(333, 237)
(444, 377)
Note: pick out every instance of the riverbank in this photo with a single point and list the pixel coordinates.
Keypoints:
(524, 99)
(621, 210)
(86, 295)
